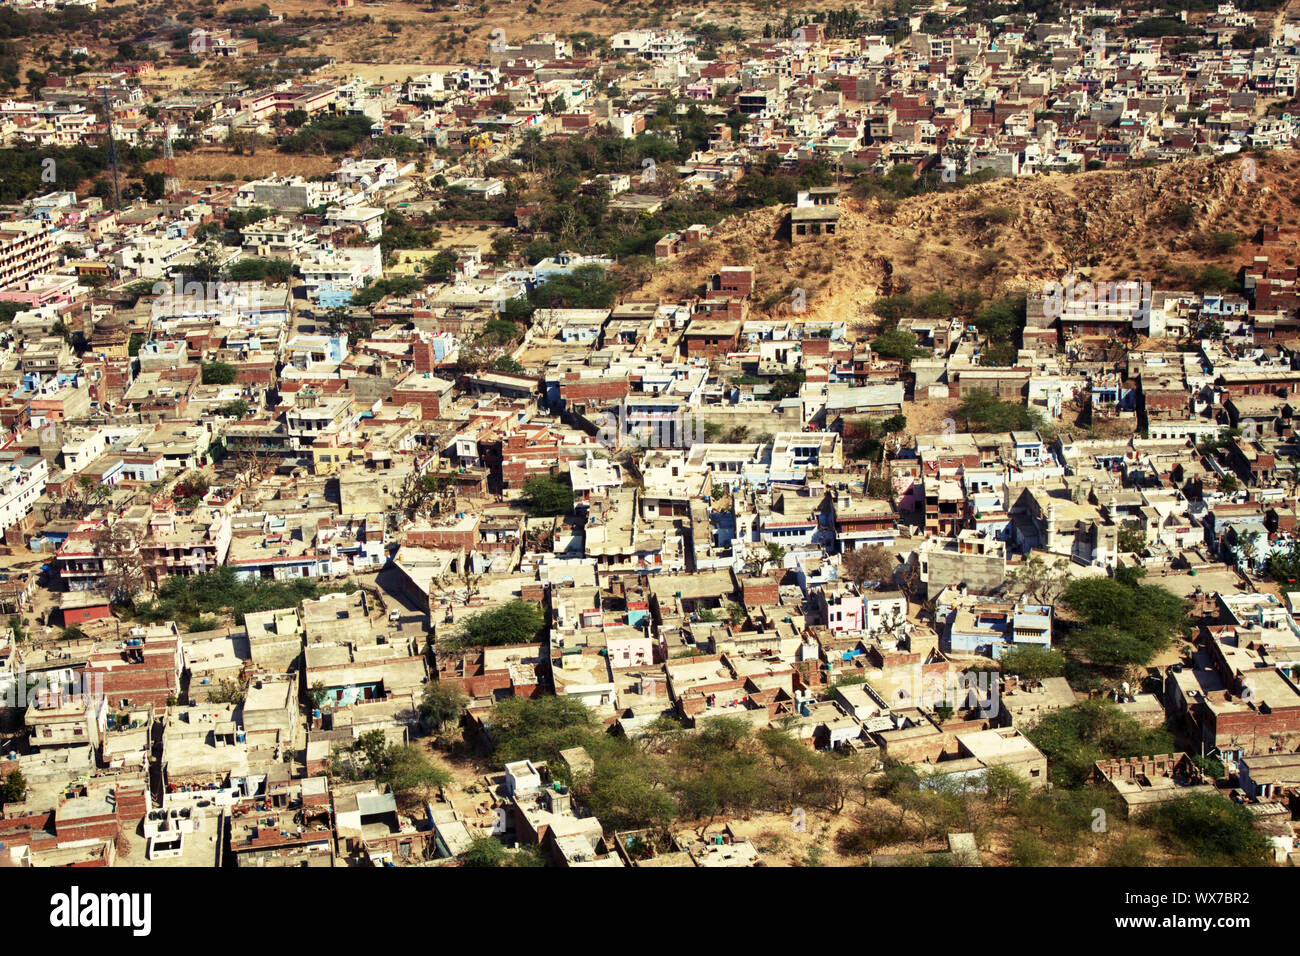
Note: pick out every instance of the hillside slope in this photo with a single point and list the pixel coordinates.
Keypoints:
(1158, 223)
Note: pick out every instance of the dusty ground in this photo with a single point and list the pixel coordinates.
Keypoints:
(424, 31)
(192, 167)
(383, 72)
(781, 842)
(927, 417)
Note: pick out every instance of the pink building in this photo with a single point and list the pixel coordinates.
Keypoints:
(841, 609)
(630, 651)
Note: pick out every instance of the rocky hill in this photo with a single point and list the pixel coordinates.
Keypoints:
(1164, 223)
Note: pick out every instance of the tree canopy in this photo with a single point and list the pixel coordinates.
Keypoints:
(517, 622)
(983, 411)
(1204, 829)
(1033, 663)
(671, 774)
(1074, 738)
(548, 496)
(896, 344)
(219, 373)
(1122, 623)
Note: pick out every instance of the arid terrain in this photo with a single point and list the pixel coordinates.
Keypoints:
(1008, 234)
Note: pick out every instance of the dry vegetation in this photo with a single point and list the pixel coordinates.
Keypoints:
(1005, 234)
(209, 165)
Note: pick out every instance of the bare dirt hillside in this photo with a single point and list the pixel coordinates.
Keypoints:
(1162, 223)
(205, 165)
(427, 34)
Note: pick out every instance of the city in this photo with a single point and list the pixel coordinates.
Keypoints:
(568, 434)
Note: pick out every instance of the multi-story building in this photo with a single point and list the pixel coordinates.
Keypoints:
(315, 417)
(26, 250)
(333, 275)
(185, 545)
(22, 480)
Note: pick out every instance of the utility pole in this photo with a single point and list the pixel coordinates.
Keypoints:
(112, 149)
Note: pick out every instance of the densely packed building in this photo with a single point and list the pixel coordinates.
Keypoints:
(719, 511)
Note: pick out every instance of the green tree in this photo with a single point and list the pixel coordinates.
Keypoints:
(538, 729)
(1121, 623)
(207, 264)
(547, 496)
(486, 851)
(1207, 830)
(441, 704)
(219, 373)
(896, 344)
(1037, 580)
(1074, 738)
(402, 766)
(630, 793)
(247, 270)
(984, 411)
(1132, 537)
(318, 694)
(1284, 566)
(408, 768)
(14, 788)
(517, 622)
(1005, 787)
(787, 385)
(870, 563)
(1033, 663)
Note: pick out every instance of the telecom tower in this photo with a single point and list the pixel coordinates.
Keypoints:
(112, 149)
(172, 183)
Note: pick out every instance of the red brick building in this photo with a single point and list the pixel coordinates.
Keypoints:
(144, 673)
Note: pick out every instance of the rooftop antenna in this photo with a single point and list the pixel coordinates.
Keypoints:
(112, 149)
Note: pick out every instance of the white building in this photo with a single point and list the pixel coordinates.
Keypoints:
(332, 275)
(425, 85)
(22, 480)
